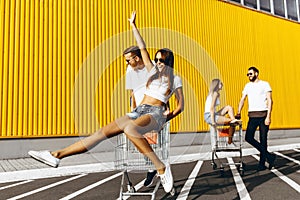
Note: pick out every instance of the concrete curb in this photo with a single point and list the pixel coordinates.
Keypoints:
(18, 148)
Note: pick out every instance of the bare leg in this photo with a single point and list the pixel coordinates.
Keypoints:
(225, 120)
(231, 132)
(227, 110)
(108, 131)
(134, 131)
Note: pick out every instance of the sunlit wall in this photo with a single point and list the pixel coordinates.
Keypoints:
(62, 71)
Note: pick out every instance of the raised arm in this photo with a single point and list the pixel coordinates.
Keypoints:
(141, 43)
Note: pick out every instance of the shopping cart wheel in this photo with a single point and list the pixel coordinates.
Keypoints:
(214, 165)
(131, 189)
(242, 172)
(222, 171)
(173, 191)
(243, 165)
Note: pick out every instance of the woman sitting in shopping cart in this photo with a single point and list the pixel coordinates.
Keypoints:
(150, 115)
(213, 117)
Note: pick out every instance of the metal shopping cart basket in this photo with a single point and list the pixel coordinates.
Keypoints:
(129, 159)
(219, 141)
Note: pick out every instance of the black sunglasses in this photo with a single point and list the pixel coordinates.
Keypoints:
(249, 74)
(160, 60)
(128, 60)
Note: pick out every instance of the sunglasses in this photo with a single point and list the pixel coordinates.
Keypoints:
(249, 74)
(128, 60)
(160, 60)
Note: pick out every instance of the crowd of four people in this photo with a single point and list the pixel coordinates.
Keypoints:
(151, 85)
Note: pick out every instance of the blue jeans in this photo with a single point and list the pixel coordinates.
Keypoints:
(261, 146)
(155, 111)
(207, 117)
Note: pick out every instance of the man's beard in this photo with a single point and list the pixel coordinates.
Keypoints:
(253, 78)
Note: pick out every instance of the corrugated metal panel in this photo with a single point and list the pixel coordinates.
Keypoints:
(62, 71)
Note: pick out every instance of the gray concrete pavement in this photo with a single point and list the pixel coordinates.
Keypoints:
(183, 145)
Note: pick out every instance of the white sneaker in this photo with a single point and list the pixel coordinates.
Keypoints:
(167, 179)
(45, 157)
(232, 145)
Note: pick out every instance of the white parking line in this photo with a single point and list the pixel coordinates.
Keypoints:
(287, 180)
(109, 166)
(136, 187)
(296, 150)
(240, 186)
(189, 183)
(46, 187)
(91, 187)
(16, 184)
(289, 158)
(54, 172)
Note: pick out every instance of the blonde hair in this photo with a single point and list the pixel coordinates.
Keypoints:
(214, 85)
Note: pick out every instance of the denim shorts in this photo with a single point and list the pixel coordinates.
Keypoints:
(207, 117)
(155, 111)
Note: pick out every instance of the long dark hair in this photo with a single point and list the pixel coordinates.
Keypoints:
(167, 71)
(214, 86)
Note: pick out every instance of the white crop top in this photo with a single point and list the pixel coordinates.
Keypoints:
(158, 88)
(208, 103)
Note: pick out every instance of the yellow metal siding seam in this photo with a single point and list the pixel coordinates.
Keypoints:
(63, 68)
(59, 70)
(68, 66)
(46, 79)
(10, 66)
(21, 71)
(5, 70)
(15, 67)
(2, 29)
(72, 65)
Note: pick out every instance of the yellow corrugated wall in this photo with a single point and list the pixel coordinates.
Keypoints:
(62, 71)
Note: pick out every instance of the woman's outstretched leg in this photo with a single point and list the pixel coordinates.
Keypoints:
(108, 131)
(114, 128)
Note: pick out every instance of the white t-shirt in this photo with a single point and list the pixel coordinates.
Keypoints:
(136, 80)
(257, 95)
(158, 88)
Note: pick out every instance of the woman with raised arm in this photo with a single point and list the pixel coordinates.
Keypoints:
(150, 115)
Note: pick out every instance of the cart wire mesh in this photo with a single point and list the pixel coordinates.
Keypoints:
(220, 137)
(127, 156)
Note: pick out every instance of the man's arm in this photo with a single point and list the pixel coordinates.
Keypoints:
(132, 101)
(269, 105)
(241, 104)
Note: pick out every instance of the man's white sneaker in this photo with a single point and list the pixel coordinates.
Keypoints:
(167, 179)
(45, 157)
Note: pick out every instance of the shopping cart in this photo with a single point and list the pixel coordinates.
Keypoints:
(219, 142)
(129, 159)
